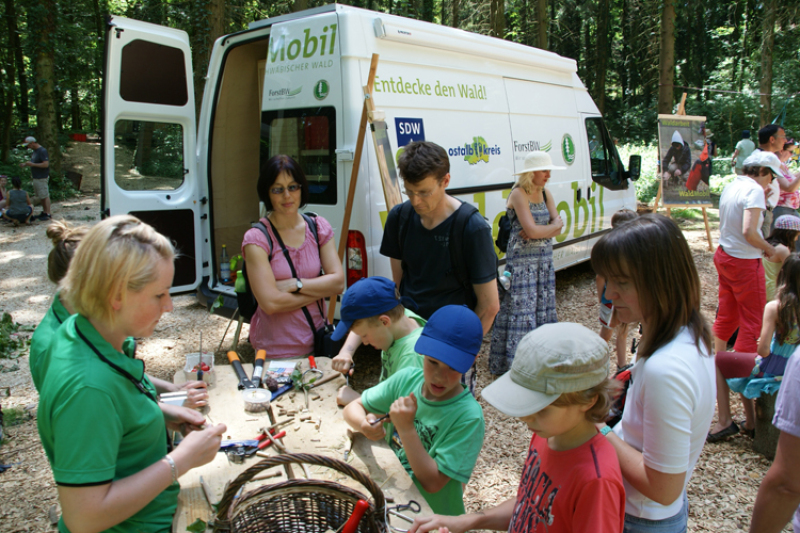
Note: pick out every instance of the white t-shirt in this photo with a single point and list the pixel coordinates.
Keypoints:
(745, 147)
(740, 194)
(667, 416)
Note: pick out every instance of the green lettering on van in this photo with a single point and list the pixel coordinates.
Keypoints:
(309, 46)
(576, 206)
(564, 206)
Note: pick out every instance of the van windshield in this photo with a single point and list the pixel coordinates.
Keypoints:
(309, 136)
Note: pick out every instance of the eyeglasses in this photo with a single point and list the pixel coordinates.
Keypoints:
(412, 194)
(294, 187)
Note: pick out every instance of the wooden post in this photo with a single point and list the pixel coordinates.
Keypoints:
(351, 193)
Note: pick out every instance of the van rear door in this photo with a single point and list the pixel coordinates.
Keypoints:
(148, 155)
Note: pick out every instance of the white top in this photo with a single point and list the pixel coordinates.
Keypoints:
(667, 416)
(740, 194)
(776, 193)
(745, 147)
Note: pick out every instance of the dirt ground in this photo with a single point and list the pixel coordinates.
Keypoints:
(721, 492)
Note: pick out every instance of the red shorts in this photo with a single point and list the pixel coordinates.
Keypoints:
(742, 297)
(735, 364)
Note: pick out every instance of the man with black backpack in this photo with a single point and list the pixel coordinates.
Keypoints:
(441, 249)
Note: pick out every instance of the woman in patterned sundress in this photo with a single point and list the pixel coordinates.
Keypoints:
(531, 300)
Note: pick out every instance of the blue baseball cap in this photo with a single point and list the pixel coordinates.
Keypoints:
(453, 335)
(366, 298)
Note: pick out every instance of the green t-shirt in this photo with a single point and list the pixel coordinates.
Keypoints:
(451, 431)
(40, 341)
(401, 354)
(42, 336)
(95, 424)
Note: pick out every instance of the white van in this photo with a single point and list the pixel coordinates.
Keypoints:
(293, 85)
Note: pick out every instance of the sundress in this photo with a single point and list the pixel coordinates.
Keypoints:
(531, 300)
(768, 371)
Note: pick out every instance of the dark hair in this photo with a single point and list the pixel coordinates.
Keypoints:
(622, 216)
(422, 159)
(601, 396)
(270, 171)
(768, 131)
(788, 284)
(755, 171)
(65, 240)
(745, 134)
(652, 252)
(785, 237)
(16, 182)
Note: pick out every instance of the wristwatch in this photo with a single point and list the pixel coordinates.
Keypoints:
(299, 286)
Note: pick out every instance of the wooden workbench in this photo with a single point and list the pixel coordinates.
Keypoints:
(226, 406)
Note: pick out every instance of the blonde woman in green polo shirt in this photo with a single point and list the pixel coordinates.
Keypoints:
(102, 429)
(66, 238)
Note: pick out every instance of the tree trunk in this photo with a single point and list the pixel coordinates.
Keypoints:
(454, 10)
(75, 108)
(736, 36)
(666, 59)
(427, 10)
(44, 33)
(497, 18)
(767, 44)
(6, 107)
(541, 24)
(208, 26)
(22, 79)
(601, 57)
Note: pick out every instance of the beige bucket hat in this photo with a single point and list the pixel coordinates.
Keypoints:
(537, 161)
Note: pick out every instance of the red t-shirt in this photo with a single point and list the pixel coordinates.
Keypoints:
(572, 491)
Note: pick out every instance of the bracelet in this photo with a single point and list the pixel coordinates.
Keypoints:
(173, 468)
(605, 431)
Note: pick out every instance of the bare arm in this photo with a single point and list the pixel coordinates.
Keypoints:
(752, 233)
(360, 420)
(28, 199)
(270, 298)
(488, 303)
(660, 487)
(779, 493)
(43, 164)
(96, 508)
(343, 362)
(767, 328)
(519, 202)
(331, 282)
(495, 519)
(196, 391)
(733, 157)
(397, 271)
(788, 186)
(422, 464)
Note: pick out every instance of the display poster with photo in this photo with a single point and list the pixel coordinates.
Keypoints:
(684, 162)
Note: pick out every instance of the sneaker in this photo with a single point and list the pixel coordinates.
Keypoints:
(44, 217)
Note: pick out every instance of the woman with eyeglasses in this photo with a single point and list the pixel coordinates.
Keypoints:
(293, 272)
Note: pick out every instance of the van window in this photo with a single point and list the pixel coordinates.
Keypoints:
(148, 156)
(603, 156)
(153, 82)
(309, 136)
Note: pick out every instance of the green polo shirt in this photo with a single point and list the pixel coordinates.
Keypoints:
(95, 424)
(401, 354)
(40, 341)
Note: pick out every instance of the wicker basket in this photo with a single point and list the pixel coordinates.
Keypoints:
(299, 505)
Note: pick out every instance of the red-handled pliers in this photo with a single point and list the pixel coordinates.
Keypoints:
(265, 442)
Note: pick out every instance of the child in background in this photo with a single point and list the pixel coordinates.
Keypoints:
(438, 425)
(608, 320)
(571, 482)
(783, 238)
(19, 206)
(373, 309)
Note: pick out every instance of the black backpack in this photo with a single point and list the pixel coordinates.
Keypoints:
(246, 299)
(455, 245)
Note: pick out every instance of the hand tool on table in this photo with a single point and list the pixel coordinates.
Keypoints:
(258, 367)
(348, 447)
(314, 371)
(412, 506)
(351, 526)
(200, 361)
(244, 381)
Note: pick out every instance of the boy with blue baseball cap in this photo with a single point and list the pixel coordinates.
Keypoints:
(438, 425)
(373, 309)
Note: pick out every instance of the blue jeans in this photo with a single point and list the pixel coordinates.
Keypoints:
(675, 524)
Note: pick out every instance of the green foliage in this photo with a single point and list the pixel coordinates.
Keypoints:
(198, 526)
(15, 416)
(11, 341)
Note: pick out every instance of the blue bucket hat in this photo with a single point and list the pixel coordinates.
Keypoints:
(366, 298)
(453, 335)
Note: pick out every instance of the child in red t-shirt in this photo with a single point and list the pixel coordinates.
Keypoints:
(571, 482)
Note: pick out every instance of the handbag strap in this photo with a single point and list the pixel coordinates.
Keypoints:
(294, 275)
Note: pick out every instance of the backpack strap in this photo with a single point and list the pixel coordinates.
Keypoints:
(311, 222)
(260, 226)
(456, 246)
(406, 209)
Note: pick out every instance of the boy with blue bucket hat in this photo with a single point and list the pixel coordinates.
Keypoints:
(438, 424)
(558, 386)
(373, 309)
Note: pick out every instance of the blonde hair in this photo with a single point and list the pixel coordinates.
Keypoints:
(601, 396)
(118, 255)
(65, 240)
(525, 182)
